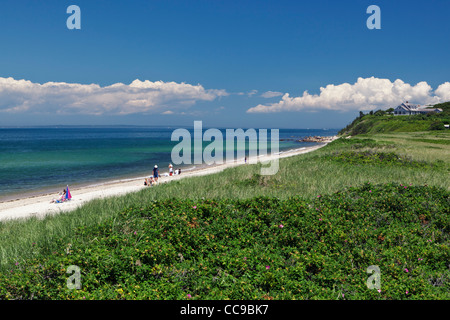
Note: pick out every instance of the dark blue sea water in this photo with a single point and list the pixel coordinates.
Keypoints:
(41, 160)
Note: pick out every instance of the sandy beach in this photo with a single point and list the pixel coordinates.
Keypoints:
(40, 206)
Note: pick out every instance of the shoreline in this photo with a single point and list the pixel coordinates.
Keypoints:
(53, 190)
(140, 174)
(40, 205)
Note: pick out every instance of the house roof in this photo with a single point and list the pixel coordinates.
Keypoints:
(408, 107)
(412, 107)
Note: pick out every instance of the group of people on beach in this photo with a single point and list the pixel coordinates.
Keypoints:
(154, 178)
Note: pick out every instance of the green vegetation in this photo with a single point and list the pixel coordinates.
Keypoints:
(372, 200)
(262, 248)
(444, 106)
(385, 122)
(380, 158)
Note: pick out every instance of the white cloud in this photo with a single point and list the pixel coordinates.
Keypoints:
(249, 93)
(271, 94)
(365, 94)
(252, 92)
(18, 96)
(443, 91)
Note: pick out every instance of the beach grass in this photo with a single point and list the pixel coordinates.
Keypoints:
(306, 175)
(407, 159)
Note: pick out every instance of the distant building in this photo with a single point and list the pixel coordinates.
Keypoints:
(411, 109)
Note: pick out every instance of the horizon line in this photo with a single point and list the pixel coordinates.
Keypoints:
(141, 126)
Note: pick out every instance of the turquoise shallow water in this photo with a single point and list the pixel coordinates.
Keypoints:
(40, 160)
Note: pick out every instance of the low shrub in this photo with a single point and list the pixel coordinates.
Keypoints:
(260, 248)
(437, 125)
(374, 157)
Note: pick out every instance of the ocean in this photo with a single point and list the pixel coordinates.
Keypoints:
(45, 159)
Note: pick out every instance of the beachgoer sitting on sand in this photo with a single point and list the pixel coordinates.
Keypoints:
(62, 197)
(149, 181)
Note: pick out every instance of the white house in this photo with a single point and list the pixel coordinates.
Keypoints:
(411, 109)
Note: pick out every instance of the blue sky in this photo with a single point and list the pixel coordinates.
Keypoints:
(216, 61)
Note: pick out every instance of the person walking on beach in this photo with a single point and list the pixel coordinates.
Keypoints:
(170, 170)
(155, 173)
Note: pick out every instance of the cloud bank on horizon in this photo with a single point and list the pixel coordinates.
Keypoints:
(19, 96)
(366, 94)
(147, 97)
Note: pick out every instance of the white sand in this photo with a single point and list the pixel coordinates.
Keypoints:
(41, 205)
